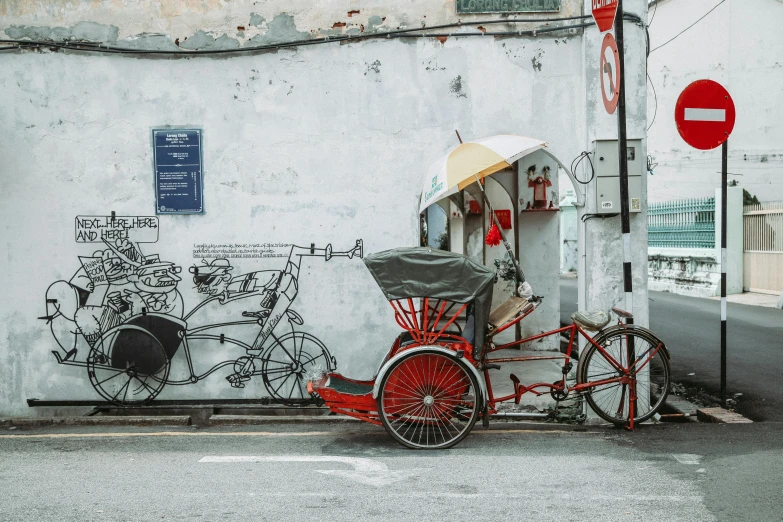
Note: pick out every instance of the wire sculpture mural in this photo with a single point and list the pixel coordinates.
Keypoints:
(123, 309)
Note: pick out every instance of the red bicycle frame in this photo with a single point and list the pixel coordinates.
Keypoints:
(624, 375)
(428, 324)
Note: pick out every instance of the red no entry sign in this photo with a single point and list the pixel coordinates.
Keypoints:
(704, 114)
(603, 13)
(610, 73)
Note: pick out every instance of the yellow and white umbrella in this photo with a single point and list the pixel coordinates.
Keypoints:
(473, 160)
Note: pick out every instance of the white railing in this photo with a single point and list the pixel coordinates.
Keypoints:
(763, 246)
(763, 227)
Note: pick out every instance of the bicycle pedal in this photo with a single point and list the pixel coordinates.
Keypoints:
(237, 381)
(517, 388)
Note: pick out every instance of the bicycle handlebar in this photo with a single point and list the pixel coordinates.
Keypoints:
(327, 253)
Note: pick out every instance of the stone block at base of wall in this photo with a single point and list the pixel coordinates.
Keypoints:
(696, 276)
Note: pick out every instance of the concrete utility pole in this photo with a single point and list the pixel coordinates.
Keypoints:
(625, 216)
(610, 265)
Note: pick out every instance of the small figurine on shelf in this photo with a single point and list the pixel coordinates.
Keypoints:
(539, 184)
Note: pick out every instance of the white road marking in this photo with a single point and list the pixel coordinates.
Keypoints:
(705, 114)
(687, 458)
(366, 471)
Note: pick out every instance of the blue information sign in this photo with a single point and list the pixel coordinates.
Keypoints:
(178, 171)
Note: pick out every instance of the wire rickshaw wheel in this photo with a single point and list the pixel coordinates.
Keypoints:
(611, 401)
(128, 366)
(289, 363)
(429, 400)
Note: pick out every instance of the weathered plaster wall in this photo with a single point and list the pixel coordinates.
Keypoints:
(226, 24)
(738, 45)
(322, 144)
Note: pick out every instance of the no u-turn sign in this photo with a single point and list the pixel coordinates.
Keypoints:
(610, 73)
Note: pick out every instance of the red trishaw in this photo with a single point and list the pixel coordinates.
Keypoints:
(434, 384)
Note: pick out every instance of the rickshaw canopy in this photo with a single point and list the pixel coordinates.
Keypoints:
(403, 273)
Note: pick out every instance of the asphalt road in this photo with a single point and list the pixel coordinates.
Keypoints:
(691, 329)
(689, 472)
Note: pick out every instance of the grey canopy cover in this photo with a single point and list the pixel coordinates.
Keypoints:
(425, 272)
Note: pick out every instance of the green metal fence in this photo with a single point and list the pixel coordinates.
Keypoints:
(685, 223)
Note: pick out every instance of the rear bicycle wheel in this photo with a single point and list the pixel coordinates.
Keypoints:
(128, 366)
(643, 359)
(429, 400)
(289, 363)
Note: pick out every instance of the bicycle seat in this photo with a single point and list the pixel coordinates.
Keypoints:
(622, 313)
(591, 320)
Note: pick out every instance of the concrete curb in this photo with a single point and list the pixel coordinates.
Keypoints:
(722, 416)
(234, 420)
(41, 422)
(680, 409)
(239, 420)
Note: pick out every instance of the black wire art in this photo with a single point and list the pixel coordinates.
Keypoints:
(124, 310)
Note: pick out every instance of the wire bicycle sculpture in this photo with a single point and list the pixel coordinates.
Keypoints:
(135, 326)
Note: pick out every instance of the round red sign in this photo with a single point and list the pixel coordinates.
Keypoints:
(704, 114)
(610, 73)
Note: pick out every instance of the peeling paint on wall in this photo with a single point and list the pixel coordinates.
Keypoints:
(455, 86)
(83, 31)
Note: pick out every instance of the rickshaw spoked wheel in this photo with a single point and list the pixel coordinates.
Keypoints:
(429, 400)
(289, 363)
(128, 366)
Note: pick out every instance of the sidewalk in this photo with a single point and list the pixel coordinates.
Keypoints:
(751, 298)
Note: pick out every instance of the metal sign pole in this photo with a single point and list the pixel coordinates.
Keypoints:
(624, 209)
(723, 214)
(623, 153)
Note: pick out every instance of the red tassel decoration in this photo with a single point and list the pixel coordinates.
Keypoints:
(493, 236)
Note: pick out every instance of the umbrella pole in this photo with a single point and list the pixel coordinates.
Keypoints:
(520, 275)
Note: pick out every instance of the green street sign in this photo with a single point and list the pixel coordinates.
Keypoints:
(507, 6)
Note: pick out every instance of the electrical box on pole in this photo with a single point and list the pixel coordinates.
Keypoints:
(607, 176)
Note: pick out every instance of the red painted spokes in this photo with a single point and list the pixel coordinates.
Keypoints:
(429, 400)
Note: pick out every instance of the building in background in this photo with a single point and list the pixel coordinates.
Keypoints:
(736, 43)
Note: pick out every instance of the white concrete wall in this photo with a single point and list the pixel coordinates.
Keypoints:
(569, 235)
(538, 255)
(696, 271)
(321, 144)
(738, 45)
(735, 228)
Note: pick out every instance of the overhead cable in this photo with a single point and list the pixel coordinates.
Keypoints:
(419, 32)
